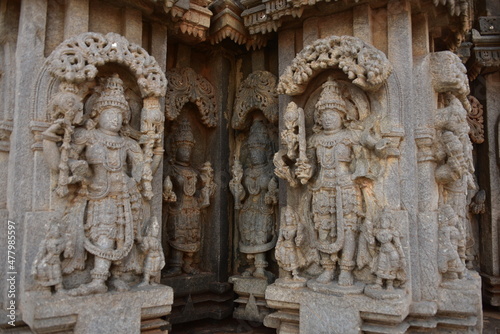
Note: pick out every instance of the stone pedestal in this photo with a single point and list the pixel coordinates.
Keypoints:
(303, 310)
(251, 300)
(198, 297)
(134, 311)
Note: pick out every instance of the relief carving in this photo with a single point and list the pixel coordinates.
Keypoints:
(106, 169)
(367, 67)
(185, 85)
(339, 164)
(103, 167)
(255, 190)
(455, 168)
(254, 186)
(188, 192)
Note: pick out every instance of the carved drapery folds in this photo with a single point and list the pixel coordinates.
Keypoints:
(367, 67)
(104, 147)
(185, 85)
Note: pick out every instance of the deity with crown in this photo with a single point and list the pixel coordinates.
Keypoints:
(255, 190)
(188, 192)
(105, 168)
(330, 169)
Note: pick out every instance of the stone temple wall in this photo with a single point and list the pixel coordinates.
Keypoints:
(315, 166)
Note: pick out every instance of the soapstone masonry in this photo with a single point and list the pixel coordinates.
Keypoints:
(309, 166)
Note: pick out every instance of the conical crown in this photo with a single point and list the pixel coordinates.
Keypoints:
(258, 137)
(331, 97)
(184, 134)
(112, 95)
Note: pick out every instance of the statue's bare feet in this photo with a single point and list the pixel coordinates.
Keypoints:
(325, 277)
(91, 288)
(143, 283)
(259, 273)
(119, 285)
(345, 278)
(174, 271)
(189, 269)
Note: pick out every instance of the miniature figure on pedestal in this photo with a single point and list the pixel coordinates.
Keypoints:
(151, 246)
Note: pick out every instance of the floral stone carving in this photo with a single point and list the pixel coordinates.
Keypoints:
(188, 193)
(187, 86)
(366, 66)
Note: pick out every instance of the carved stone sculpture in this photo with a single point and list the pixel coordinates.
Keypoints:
(107, 167)
(288, 252)
(187, 199)
(455, 172)
(256, 193)
(451, 259)
(335, 169)
(381, 244)
(151, 246)
(47, 266)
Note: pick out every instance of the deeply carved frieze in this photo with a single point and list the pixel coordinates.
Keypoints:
(257, 91)
(475, 120)
(185, 85)
(77, 59)
(367, 67)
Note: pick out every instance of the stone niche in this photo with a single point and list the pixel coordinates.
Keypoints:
(99, 131)
(195, 183)
(353, 255)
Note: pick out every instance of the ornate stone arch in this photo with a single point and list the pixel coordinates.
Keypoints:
(367, 67)
(185, 85)
(256, 92)
(76, 60)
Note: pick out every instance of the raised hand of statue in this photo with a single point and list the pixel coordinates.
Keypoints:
(168, 193)
(235, 185)
(271, 197)
(303, 171)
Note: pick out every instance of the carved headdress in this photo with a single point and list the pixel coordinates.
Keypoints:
(331, 98)
(258, 138)
(112, 95)
(184, 135)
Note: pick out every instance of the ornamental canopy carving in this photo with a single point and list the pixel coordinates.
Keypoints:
(185, 85)
(256, 92)
(367, 67)
(77, 59)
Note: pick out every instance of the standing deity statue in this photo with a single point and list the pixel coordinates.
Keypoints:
(255, 190)
(334, 172)
(288, 253)
(186, 202)
(451, 259)
(151, 246)
(47, 266)
(455, 170)
(106, 166)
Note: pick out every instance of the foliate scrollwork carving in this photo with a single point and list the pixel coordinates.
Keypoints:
(76, 60)
(257, 91)
(367, 67)
(475, 120)
(185, 85)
